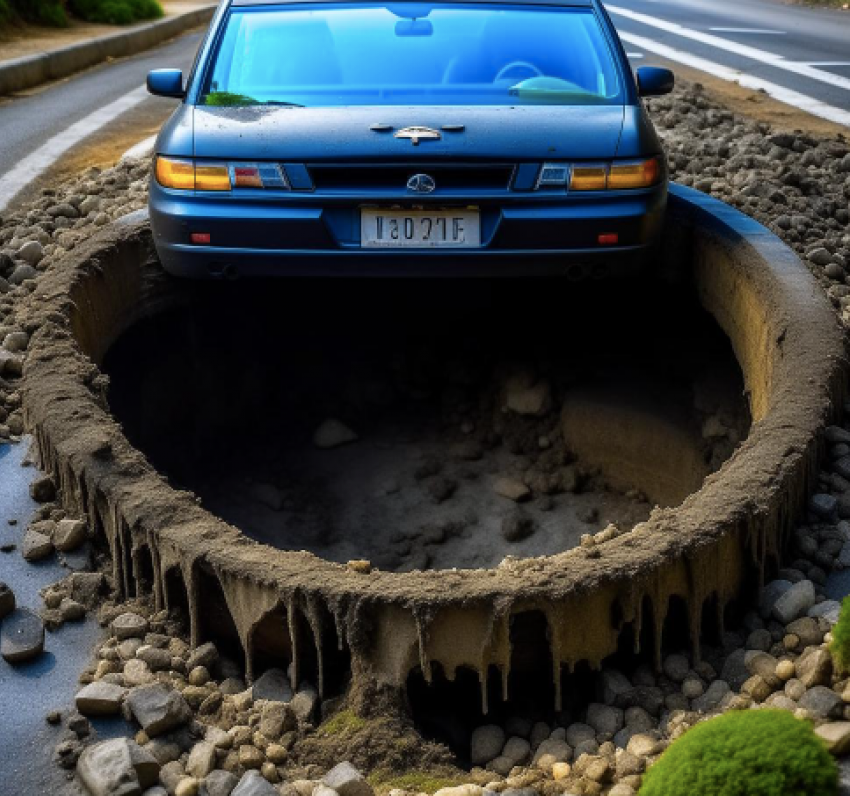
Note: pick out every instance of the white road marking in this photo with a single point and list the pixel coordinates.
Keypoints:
(758, 31)
(634, 55)
(48, 153)
(786, 95)
(826, 63)
(754, 53)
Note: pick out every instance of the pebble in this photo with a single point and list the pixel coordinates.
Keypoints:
(36, 546)
(100, 699)
(486, 743)
(129, 625)
(21, 636)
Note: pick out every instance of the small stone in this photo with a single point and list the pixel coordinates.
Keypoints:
(100, 699)
(517, 750)
(36, 546)
(517, 525)
(346, 780)
(277, 718)
(250, 756)
(332, 433)
(511, 489)
(22, 273)
(31, 252)
(69, 535)
(129, 625)
(822, 702)
(21, 636)
(157, 708)
(16, 342)
(795, 602)
(157, 659)
(205, 655)
(272, 685)
(188, 786)
(486, 743)
(199, 676)
(218, 783)
(785, 670)
(201, 760)
(43, 490)
(550, 752)
(676, 667)
(814, 667)
(118, 767)
(836, 736)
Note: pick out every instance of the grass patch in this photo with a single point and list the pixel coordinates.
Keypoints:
(745, 753)
(115, 12)
(346, 722)
(840, 646)
(418, 781)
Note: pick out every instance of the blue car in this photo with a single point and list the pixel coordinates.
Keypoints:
(408, 139)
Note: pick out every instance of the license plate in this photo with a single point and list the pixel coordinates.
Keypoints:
(420, 229)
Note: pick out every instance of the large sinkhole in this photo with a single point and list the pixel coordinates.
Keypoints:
(491, 418)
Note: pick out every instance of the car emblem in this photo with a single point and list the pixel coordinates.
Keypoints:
(421, 183)
(416, 134)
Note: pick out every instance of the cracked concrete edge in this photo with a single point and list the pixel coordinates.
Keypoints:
(715, 548)
(30, 71)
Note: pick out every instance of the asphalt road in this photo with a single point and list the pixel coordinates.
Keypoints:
(797, 54)
(78, 107)
(798, 49)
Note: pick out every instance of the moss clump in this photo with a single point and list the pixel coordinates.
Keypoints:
(115, 12)
(840, 646)
(346, 722)
(383, 780)
(745, 753)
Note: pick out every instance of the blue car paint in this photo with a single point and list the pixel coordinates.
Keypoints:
(315, 232)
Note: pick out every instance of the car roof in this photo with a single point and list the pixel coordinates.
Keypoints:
(566, 3)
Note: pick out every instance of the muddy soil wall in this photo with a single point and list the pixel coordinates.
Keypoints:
(712, 549)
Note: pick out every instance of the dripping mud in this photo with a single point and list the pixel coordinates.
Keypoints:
(491, 418)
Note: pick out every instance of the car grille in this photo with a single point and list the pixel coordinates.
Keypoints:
(378, 177)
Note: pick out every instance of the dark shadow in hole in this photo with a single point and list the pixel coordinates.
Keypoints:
(176, 596)
(675, 635)
(271, 646)
(215, 622)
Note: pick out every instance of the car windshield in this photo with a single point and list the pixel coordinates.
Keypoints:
(412, 54)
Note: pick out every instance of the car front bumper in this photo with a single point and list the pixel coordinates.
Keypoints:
(309, 235)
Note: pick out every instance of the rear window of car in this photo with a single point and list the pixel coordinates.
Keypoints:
(412, 54)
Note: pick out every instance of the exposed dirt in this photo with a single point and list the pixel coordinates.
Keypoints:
(463, 416)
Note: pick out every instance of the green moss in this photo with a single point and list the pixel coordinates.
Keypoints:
(225, 99)
(344, 722)
(115, 12)
(745, 753)
(418, 781)
(840, 646)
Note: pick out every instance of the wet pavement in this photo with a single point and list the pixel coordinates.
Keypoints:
(30, 691)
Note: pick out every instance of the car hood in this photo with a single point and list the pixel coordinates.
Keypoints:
(333, 134)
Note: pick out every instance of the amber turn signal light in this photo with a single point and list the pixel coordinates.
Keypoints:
(634, 175)
(185, 175)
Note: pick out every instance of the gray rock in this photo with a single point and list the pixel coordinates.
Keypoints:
(36, 546)
(676, 667)
(486, 743)
(22, 273)
(253, 784)
(517, 525)
(770, 594)
(15, 342)
(332, 433)
(69, 535)
(614, 686)
(21, 636)
(157, 708)
(158, 660)
(828, 610)
(734, 670)
(276, 719)
(346, 780)
(822, 702)
(100, 699)
(118, 767)
(578, 733)
(32, 252)
(814, 667)
(795, 602)
(7, 600)
(273, 685)
(713, 696)
(760, 639)
(219, 783)
(517, 750)
(823, 505)
(604, 718)
(129, 625)
(559, 750)
(205, 655)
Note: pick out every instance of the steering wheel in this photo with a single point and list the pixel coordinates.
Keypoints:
(521, 64)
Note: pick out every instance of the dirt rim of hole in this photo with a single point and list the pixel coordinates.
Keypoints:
(718, 544)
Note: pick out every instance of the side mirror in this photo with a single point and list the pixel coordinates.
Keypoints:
(166, 83)
(653, 81)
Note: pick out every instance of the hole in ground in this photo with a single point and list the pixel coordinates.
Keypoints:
(589, 402)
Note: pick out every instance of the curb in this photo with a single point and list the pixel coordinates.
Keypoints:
(33, 70)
